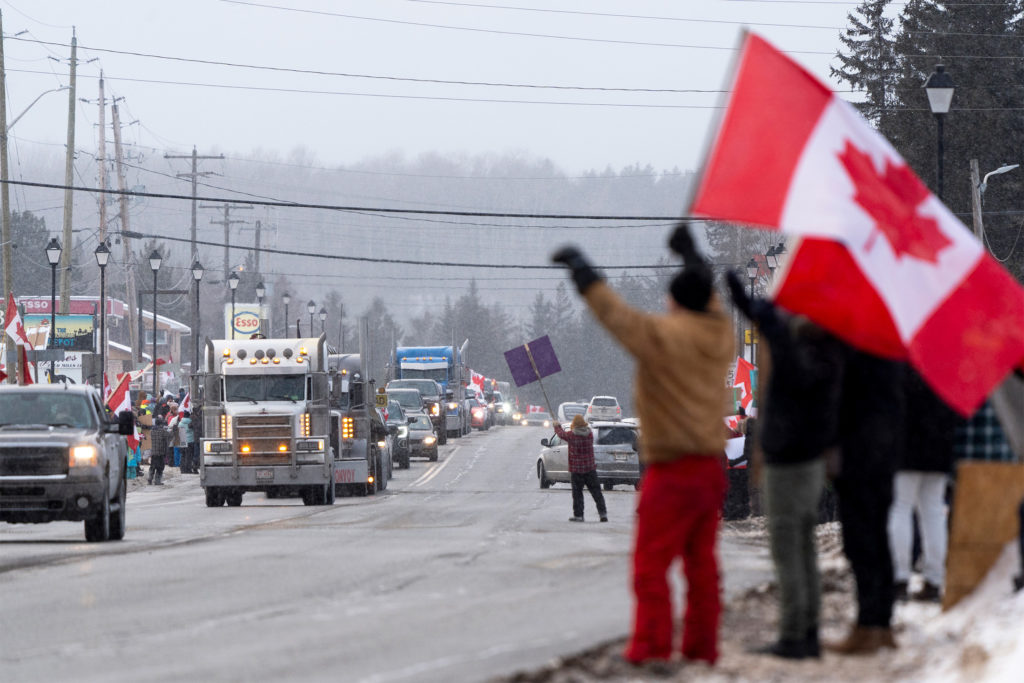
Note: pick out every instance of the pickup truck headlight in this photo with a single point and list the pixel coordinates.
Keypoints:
(403, 431)
(453, 406)
(435, 409)
(429, 440)
(82, 456)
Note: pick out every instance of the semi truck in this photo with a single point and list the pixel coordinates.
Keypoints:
(359, 436)
(446, 366)
(266, 421)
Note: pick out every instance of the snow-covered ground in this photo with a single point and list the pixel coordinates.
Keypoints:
(980, 639)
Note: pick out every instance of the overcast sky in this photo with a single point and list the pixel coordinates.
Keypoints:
(661, 45)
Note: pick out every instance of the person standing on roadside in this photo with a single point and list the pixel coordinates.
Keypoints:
(920, 486)
(186, 437)
(800, 422)
(682, 358)
(582, 468)
(159, 442)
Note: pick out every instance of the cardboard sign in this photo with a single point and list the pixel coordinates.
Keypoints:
(380, 400)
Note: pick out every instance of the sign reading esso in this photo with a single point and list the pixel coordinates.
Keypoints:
(246, 321)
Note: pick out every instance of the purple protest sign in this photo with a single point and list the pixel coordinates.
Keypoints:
(543, 356)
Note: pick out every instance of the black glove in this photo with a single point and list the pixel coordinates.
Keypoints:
(681, 242)
(738, 294)
(582, 272)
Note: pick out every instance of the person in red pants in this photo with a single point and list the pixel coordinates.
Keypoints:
(682, 358)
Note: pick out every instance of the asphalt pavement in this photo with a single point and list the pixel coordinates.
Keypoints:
(463, 569)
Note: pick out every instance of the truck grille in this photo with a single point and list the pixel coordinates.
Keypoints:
(263, 435)
(23, 461)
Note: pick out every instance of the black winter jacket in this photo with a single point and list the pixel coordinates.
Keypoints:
(800, 417)
(931, 428)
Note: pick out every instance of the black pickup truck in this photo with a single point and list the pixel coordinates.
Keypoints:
(61, 459)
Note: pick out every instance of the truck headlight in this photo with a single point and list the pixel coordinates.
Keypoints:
(82, 456)
(435, 409)
(403, 431)
(453, 406)
(429, 440)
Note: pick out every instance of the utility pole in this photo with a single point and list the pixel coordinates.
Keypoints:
(131, 299)
(102, 158)
(69, 178)
(227, 223)
(976, 198)
(258, 226)
(194, 175)
(5, 194)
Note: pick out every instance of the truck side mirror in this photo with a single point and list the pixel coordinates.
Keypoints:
(393, 430)
(545, 443)
(125, 423)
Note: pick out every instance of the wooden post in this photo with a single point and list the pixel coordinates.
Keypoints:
(976, 199)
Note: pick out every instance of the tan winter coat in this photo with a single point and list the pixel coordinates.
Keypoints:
(682, 359)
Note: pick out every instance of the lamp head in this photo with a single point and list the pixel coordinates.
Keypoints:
(287, 298)
(102, 255)
(260, 290)
(323, 314)
(311, 307)
(53, 250)
(752, 269)
(233, 281)
(939, 88)
(155, 259)
(197, 271)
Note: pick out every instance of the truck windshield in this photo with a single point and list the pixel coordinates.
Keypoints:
(407, 399)
(265, 388)
(46, 408)
(426, 387)
(436, 374)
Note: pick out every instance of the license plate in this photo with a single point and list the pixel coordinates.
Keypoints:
(621, 457)
(264, 475)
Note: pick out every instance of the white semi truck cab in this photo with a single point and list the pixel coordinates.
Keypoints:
(266, 419)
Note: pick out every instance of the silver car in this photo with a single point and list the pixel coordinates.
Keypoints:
(615, 454)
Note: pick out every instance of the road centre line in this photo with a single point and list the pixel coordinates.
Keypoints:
(435, 470)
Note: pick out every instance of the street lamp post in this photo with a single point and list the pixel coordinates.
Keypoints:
(286, 299)
(154, 262)
(102, 257)
(53, 251)
(233, 285)
(311, 307)
(939, 88)
(260, 291)
(197, 275)
(752, 269)
(323, 318)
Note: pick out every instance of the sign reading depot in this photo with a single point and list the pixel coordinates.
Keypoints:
(246, 322)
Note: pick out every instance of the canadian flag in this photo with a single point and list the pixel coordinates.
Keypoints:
(186, 404)
(119, 401)
(883, 264)
(477, 379)
(743, 379)
(534, 409)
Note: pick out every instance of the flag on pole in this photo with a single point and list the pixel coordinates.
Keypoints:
(883, 263)
(477, 379)
(186, 404)
(13, 325)
(744, 380)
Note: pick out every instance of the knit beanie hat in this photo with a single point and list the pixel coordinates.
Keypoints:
(692, 288)
(578, 421)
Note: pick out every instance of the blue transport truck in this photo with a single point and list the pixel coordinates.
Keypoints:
(446, 366)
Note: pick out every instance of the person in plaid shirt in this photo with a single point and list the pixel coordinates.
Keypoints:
(582, 468)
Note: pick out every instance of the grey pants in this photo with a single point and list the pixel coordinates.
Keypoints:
(791, 495)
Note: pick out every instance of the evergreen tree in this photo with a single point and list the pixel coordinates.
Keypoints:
(870, 62)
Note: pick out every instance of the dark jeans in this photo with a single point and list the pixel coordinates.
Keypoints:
(590, 480)
(864, 514)
(791, 493)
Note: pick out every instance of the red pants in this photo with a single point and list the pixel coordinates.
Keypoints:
(680, 504)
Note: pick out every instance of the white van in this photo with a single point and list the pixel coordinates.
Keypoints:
(603, 408)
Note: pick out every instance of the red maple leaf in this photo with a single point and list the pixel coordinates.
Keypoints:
(892, 200)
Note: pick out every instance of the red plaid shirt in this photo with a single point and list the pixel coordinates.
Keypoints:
(581, 450)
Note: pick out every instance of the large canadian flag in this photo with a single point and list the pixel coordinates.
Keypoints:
(881, 262)
(477, 379)
(121, 400)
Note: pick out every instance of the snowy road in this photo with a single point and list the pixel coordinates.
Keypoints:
(463, 569)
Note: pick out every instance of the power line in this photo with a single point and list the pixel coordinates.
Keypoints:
(334, 207)
(390, 261)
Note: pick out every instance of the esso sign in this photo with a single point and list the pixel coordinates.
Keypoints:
(244, 323)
